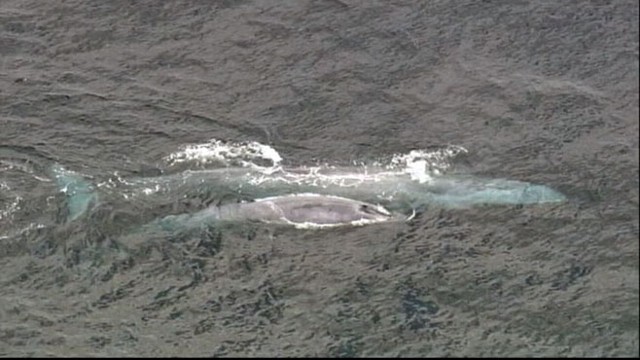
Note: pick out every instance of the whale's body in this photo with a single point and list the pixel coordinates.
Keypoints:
(398, 190)
(332, 196)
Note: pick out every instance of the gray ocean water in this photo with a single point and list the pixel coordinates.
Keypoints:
(539, 91)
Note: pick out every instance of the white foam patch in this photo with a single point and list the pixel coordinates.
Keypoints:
(13, 204)
(226, 153)
(421, 165)
(263, 165)
(149, 191)
(418, 165)
(311, 225)
(11, 208)
(32, 226)
(13, 165)
(111, 183)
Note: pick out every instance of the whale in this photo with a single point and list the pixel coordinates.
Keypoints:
(271, 190)
(396, 190)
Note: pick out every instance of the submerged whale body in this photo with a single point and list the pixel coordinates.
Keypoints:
(460, 191)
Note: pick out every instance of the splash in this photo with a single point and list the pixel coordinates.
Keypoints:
(12, 204)
(419, 164)
(17, 174)
(226, 153)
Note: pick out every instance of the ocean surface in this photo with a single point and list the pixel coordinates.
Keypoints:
(544, 92)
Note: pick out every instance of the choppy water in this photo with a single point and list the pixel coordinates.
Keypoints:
(536, 92)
